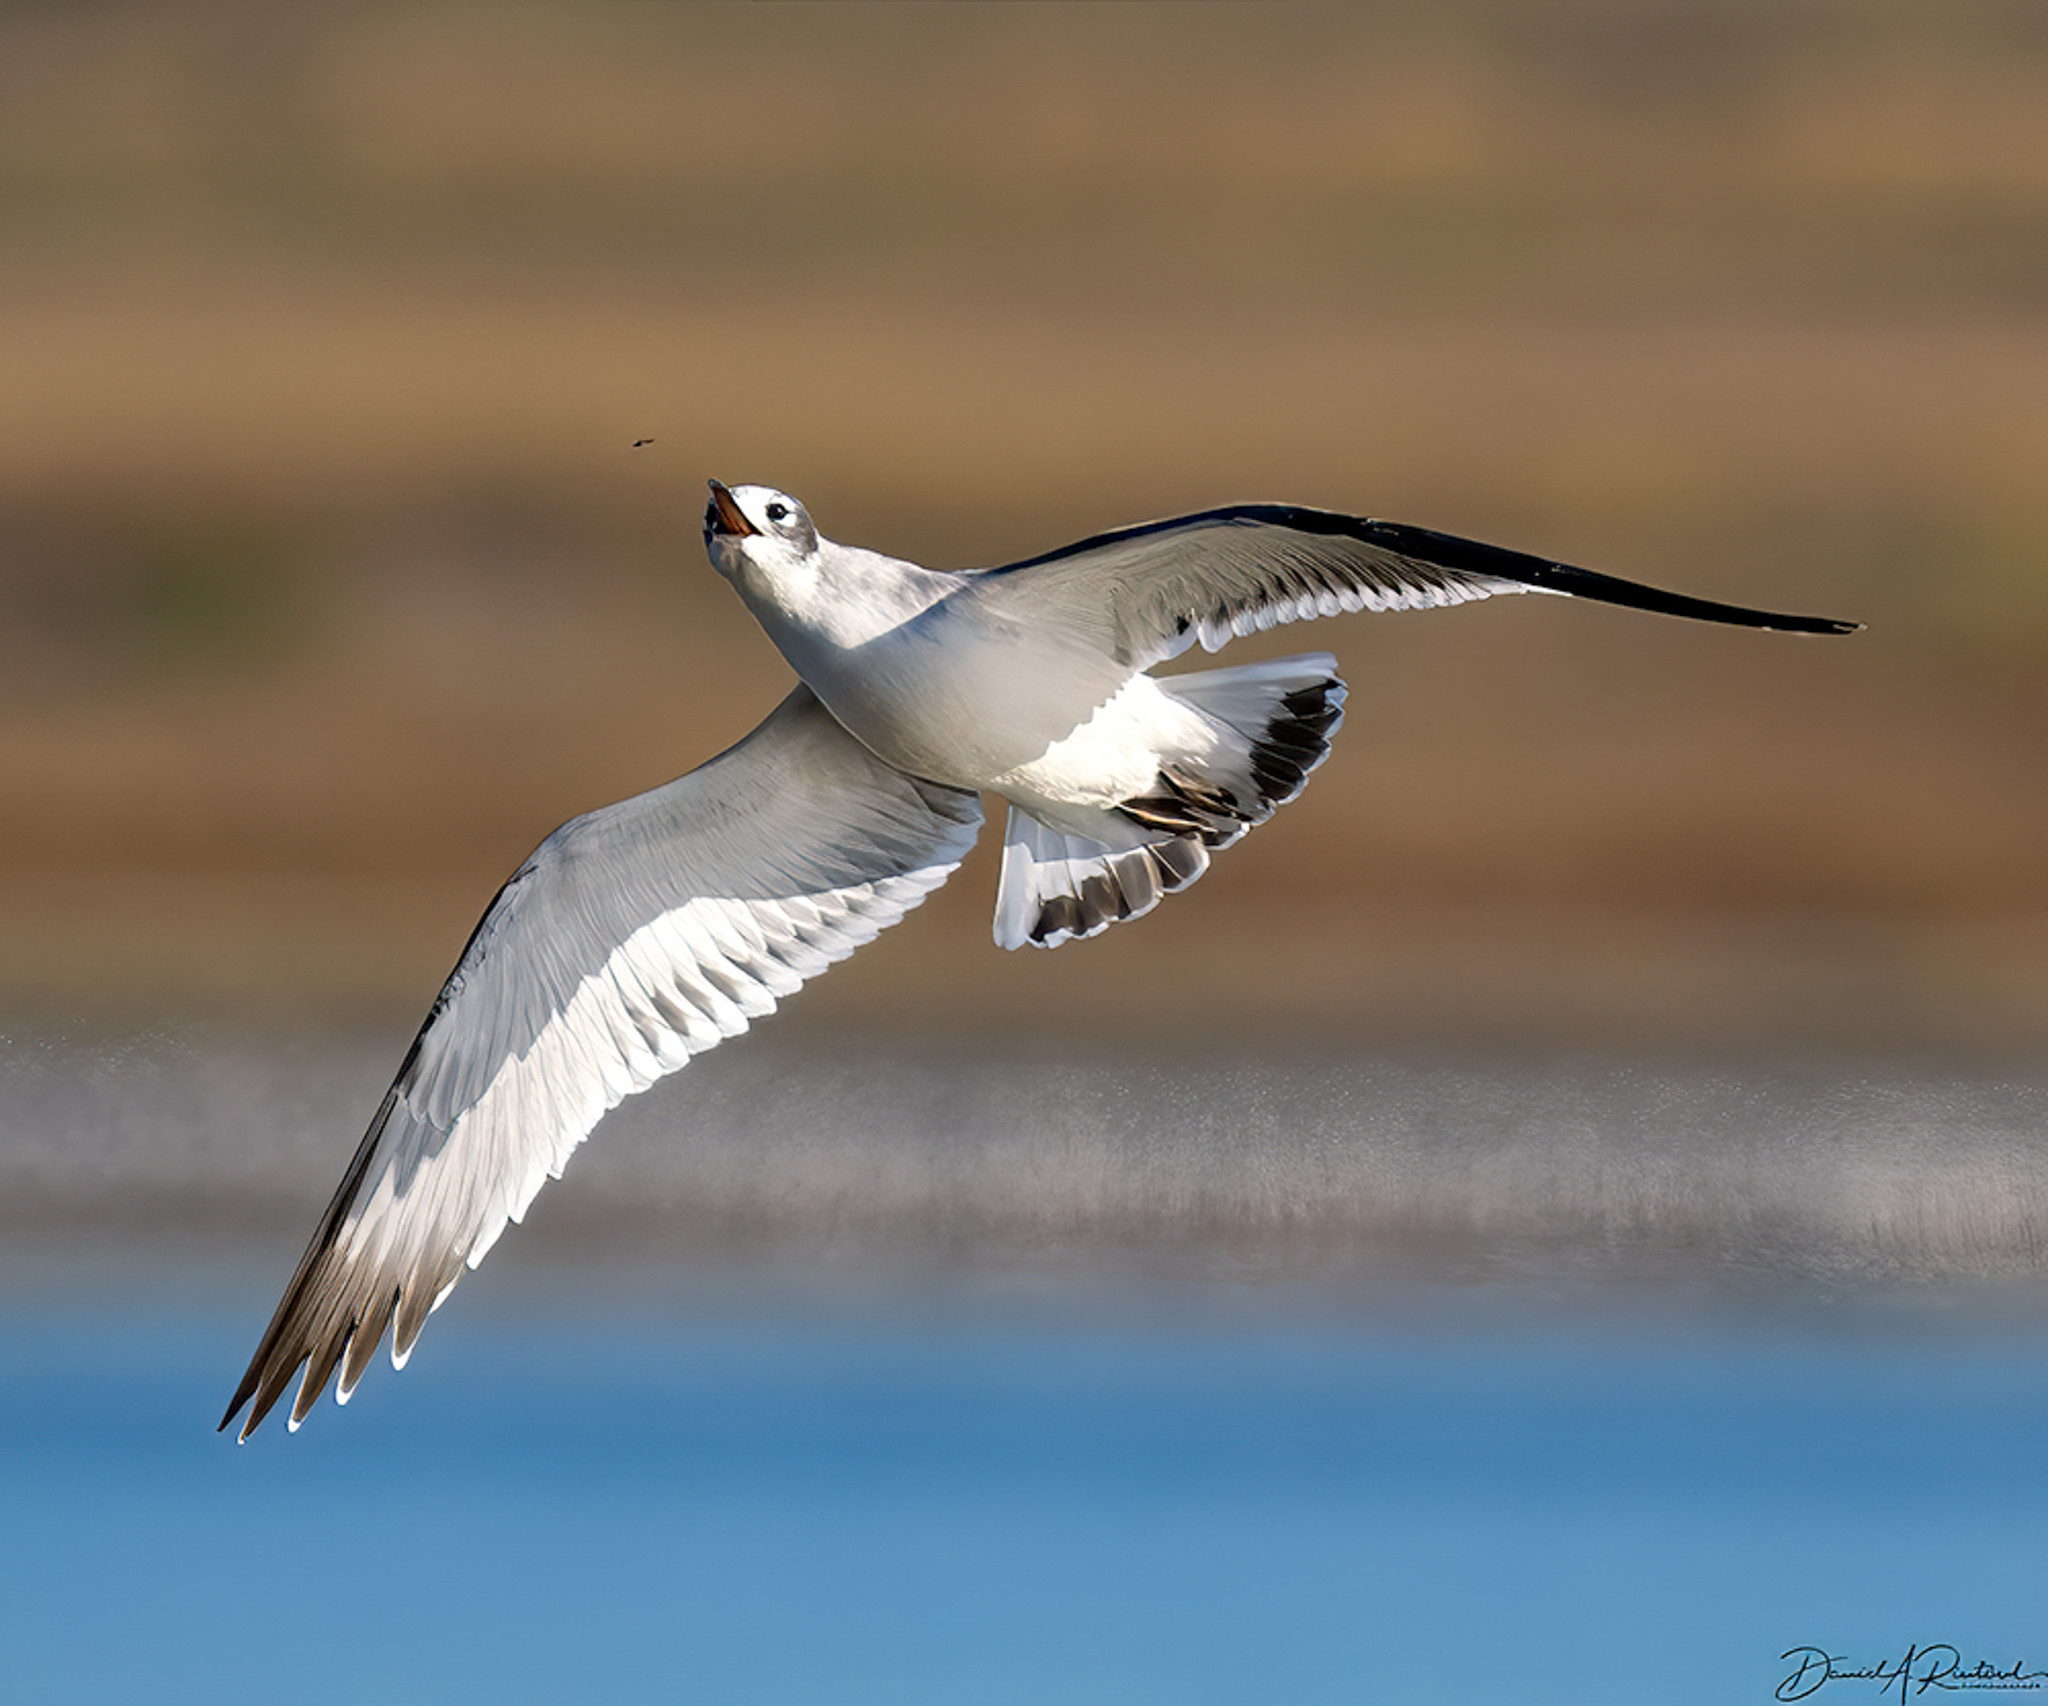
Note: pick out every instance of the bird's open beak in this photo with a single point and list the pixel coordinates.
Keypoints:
(723, 515)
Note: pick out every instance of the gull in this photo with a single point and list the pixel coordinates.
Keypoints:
(646, 932)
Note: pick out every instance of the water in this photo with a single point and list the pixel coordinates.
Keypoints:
(1457, 1501)
(1064, 1402)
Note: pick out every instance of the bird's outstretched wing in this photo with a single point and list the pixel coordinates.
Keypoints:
(633, 938)
(1151, 591)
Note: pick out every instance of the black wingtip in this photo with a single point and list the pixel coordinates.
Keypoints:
(256, 1414)
(1706, 610)
(243, 1393)
(1775, 624)
(1469, 556)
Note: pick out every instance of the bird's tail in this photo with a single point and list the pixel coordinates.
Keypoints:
(1274, 722)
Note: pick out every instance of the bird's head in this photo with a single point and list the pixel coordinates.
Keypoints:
(756, 527)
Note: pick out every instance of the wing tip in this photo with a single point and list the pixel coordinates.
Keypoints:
(264, 1393)
(1810, 625)
(227, 1419)
(259, 1391)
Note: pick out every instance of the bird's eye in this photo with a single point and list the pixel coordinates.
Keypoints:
(778, 512)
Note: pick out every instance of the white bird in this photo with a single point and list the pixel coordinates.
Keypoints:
(651, 930)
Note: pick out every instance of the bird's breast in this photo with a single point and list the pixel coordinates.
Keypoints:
(955, 697)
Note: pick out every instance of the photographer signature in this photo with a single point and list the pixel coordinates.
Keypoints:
(1922, 1668)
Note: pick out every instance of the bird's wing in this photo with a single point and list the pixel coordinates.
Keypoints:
(633, 938)
(1151, 591)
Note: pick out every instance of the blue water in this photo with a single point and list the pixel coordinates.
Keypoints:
(724, 1499)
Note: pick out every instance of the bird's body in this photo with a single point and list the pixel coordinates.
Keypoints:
(648, 931)
(920, 669)
(939, 682)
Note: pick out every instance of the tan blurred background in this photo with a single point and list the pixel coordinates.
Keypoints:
(329, 579)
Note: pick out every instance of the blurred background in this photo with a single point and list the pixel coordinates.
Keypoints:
(1608, 959)
(329, 579)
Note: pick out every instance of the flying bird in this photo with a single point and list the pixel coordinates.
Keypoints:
(651, 930)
